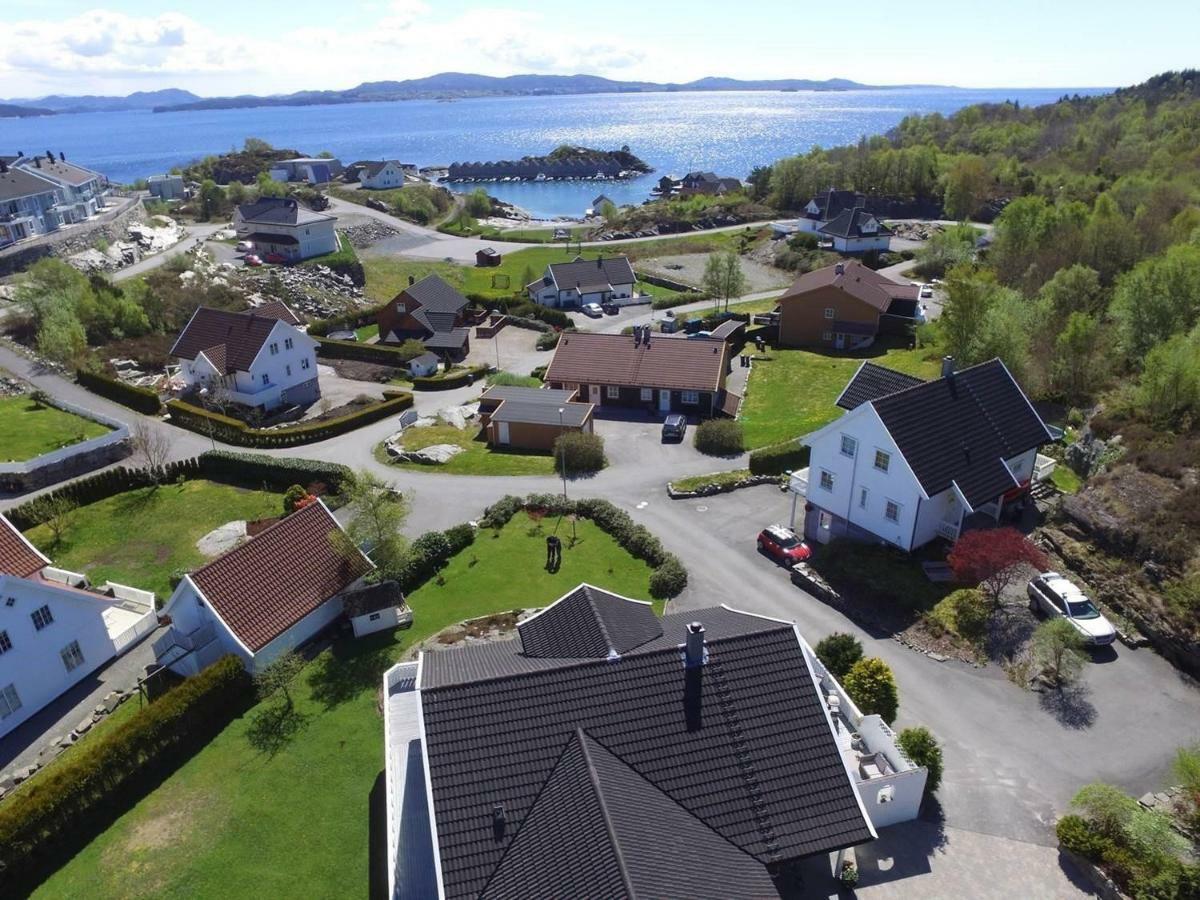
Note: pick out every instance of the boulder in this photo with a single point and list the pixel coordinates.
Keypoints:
(111, 701)
(433, 455)
(84, 727)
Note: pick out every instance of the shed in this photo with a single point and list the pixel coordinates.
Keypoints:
(487, 256)
(376, 607)
(423, 366)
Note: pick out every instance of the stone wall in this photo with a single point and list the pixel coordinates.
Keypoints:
(73, 239)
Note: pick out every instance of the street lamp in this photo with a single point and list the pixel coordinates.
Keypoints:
(204, 403)
(562, 447)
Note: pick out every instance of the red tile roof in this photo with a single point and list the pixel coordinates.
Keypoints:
(241, 334)
(588, 358)
(277, 309)
(17, 556)
(855, 279)
(271, 582)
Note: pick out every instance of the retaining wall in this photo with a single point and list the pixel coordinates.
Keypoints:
(68, 462)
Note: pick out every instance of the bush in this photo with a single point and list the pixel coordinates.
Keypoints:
(136, 398)
(275, 471)
(719, 437)
(965, 612)
(348, 322)
(547, 340)
(48, 820)
(578, 453)
(803, 241)
(550, 316)
(922, 748)
(839, 652)
(1078, 835)
(460, 537)
(668, 579)
(294, 495)
(446, 381)
(872, 687)
(678, 300)
(785, 457)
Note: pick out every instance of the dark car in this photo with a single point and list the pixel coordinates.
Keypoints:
(674, 427)
(275, 258)
(783, 545)
(610, 308)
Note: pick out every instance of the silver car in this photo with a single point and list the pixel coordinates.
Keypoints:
(1053, 595)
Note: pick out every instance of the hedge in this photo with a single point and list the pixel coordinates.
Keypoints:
(66, 806)
(678, 300)
(774, 460)
(449, 380)
(235, 431)
(347, 322)
(669, 577)
(579, 453)
(137, 398)
(719, 437)
(368, 353)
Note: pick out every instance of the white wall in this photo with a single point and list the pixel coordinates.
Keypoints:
(297, 634)
(943, 507)
(389, 176)
(315, 238)
(387, 618)
(1022, 465)
(862, 244)
(247, 387)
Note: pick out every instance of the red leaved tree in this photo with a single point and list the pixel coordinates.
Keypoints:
(994, 559)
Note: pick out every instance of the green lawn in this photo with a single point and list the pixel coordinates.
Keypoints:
(1064, 478)
(477, 458)
(234, 823)
(140, 537)
(28, 430)
(367, 332)
(793, 391)
(719, 478)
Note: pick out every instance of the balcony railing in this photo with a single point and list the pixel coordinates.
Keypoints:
(1043, 467)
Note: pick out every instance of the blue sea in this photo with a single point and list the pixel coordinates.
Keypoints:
(728, 133)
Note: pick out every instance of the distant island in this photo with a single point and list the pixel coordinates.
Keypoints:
(443, 86)
(9, 111)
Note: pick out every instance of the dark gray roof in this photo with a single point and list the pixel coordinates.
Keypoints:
(573, 416)
(741, 744)
(959, 429)
(726, 329)
(447, 340)
(372, 598)
(424, 359)
(871, 382)
(831, 203)
(435, 295)
(279, 211)
(589, 623)
(605, 824)
(501, 392)
(592, 273)
(848, 224)
(59, 170)
(16, 182)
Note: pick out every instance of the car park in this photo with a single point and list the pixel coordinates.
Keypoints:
(1054, 595)
(783, 545)
(592, 309)
(674, 427)
(251, 260)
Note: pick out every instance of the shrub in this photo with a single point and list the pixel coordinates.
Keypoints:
(872, 687)
(577, 453)
(965, 612)
(803, 241)
(1076, 834)
(839, 652)
(668, 579)
(786, 457)
(292, 498)
(136, 398)
(379, 354)
(433, 546)
(547, 340)
(460, 537)
(719, 437)
(275, 471)
(1058, 647)
(678, 300)
(446, 381)
(922, 748)
(994, 559)
(555, 317)
(49, 819)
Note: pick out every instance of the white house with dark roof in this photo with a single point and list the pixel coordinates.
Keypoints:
(56, 628)
(81, 191)
(28, 204)
(572, 284)
(552, 764)
(258, 358)
(911, 461)
(856, 231)
(382, 175)
(284, 226)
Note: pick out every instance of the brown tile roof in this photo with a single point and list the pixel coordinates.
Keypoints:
(585, 358)
(17, 556)
(277, 309)
(271, 582)
(855, 279)
(241, 334)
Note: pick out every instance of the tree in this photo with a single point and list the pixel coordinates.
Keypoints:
(966, 187)
(759, 181)
(1110, 241)
(1058, 648)
(1074, 289)
(719, 437)
(872, 687)
(994, 559)
(256, 145)
(969, 295)
(1157, 298)
(578, 453)
(608, 211)
(273, 725)
(212, 199)
(277, 677)
(269, 187)
(1075, 369)
(922, 748)
(1168, 390)
(152, 446)
(723, 276)
(1007, 326)
(839, 652)
(61, 336)
(378, 513)
(236, 193)
(56, 511)
(478, 203)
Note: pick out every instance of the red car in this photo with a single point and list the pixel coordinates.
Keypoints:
(783, 545)
(275, 258)
(251, 260)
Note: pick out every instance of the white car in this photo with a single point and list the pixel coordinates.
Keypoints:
(244, 246)
(1054, 595)
(592, 309)
(927, 292)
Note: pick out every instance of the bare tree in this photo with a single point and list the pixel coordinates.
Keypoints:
(152, 446)
(56, 511)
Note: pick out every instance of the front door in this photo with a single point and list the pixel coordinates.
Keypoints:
(502, 432)
(664, 401)
(839, 341)
(594, 394)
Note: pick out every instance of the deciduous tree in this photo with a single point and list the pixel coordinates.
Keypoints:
(994, 559)
(839, 652)
(1058, 648)
(723, 276)
(872, 686)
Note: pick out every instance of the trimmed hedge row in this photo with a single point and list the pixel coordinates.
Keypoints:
(368, 353)
(235, 431)
(348, 322)
(780, 458)
(69, 804)
(669, 577)
(430, 553)
(136, 398)
(450, 380)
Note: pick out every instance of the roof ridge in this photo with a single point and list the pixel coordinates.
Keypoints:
(581, 736)
(600, 623)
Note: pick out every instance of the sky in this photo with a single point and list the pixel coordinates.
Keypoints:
(223, 47)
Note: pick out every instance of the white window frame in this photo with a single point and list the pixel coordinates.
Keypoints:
(826, 475)
(888, 506)
(612, 392)
(691, 397)
(304, 363)
(647, 395)
(287, 343)
(266, 379)
(829, 312)
(274, 348)
(72, 656)
(10, 700)
(827, 336)
(42, 618)
(373, 617)
(887, 460)
(853, 441)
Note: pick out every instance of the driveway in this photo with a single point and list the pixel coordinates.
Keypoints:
(196, 235)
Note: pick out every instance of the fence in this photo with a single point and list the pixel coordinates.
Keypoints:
(67, 462)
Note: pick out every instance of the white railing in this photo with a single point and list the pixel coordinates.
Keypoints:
(143, 626)
(948, 530)
(1043, 467)
(798, 483)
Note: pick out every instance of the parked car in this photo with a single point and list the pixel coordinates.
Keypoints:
(275, 258)
(783, 545)
(251, 260)
(245, 246)
(1053, 595)
(592, 309)
(674, 427)
(927, 292)
(610, 308)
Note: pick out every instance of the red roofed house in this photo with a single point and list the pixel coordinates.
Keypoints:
(258, 358)
(843, 307)
(55, 629)
(266, 597)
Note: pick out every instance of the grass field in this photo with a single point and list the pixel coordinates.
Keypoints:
(793, 392)
(140, 537)
(28, 430)
(236, 823)
(367, 332)
(477, 458)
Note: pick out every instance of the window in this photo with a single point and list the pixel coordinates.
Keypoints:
(829, 312)
(862, 498)
(849, 445)
(882, 460)
(690, 396)
(373, 617)
(826, 480)
(274, 348)
(72, 656)
(5, 642)
(891, 512)
(9, 701)
(287, 343)
(827, 335)
(41, 617)
(647, 395)
(304, 363)
(266, 379)
(612, 392)
(289, 371)
(11, 601)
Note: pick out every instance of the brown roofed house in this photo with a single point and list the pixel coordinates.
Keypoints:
(843, 307)
(532, 418)
(430, 311)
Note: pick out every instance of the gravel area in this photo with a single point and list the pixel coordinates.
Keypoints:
(689, 269)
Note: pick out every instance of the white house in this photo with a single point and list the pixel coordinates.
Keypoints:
(258, 358)
(572, 284)
(81, 191)
(55, 628)
(281, 225)
(28, 204)
(376, 607)
(261, 599)
(825, 207)
(387, 173)
(166, 187)
(856, 231)
(911, 460)
(423, 366)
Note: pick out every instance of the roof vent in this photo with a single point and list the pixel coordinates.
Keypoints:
(498, 821)
(695, 653)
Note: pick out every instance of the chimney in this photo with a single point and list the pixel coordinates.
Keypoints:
(412, 279)
(3, 167)
(498, 821)
(839, 269)
(947, 366)
(637, 335)
(694, 652)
